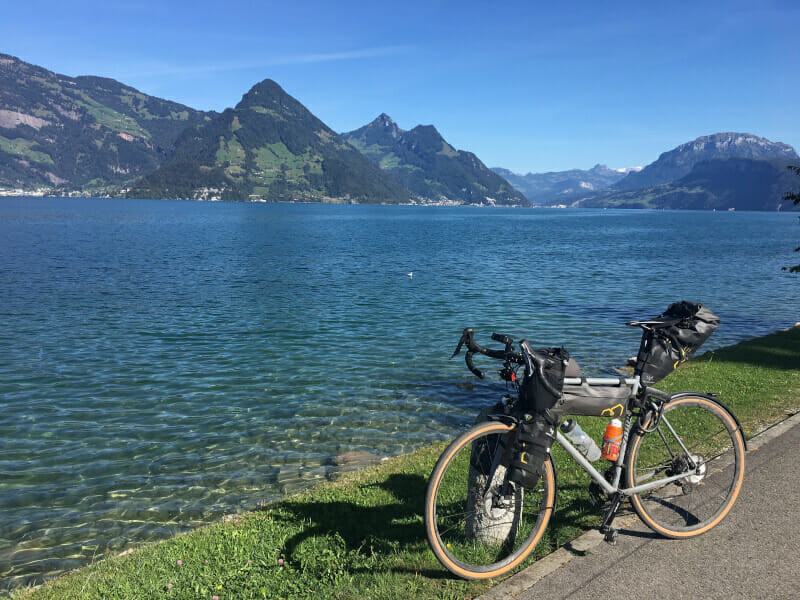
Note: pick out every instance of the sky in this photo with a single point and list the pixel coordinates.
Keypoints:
(529, 86)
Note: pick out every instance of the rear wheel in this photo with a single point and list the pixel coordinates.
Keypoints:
(699, 437)
(474, 531)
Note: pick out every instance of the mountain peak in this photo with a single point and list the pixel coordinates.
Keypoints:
(384, 120)
(680, 161)
(270, 147)
(386, 125)
(434, 171)
(265, 93)
(746, 145)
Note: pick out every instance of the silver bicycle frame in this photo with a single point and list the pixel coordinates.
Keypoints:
(594, 473)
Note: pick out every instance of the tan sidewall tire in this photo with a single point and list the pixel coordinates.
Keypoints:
(737, 437)
(490, 427)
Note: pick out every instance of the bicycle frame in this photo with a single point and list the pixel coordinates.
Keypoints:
(613, 488)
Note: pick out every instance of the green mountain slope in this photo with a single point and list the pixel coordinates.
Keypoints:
(738, 183)
(561, 187)
(680, 161)
(81, 133)
(269, 148)
(434, 171)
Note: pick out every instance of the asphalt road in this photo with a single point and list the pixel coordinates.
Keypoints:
(753, 553)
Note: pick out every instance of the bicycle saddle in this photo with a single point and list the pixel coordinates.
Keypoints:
(656, 323)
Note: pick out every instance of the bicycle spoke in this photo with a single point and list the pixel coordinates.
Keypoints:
(709, 458)
(473, 531)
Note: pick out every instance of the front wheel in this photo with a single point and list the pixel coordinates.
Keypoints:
(696, 436)
(474, 530)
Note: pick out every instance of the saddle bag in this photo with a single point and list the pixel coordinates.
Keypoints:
(663, 349)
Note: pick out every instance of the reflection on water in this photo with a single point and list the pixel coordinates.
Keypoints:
(165, 363)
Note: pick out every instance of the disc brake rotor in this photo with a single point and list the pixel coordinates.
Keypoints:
(494, 506)
(700, 471)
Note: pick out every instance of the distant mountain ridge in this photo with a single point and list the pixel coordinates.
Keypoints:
(563, 187)
(270, 148)
(680, 161)
(94, 135)
(421, 160)
(81, 132)
(718, 184)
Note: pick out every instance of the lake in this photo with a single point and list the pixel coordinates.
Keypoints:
(165, 363)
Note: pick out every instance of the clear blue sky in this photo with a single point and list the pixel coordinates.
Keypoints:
(530, 86)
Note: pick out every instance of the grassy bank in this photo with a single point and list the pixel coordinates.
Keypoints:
(362, 535)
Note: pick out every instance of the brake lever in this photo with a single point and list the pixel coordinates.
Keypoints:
(458, 348)
(465, 337)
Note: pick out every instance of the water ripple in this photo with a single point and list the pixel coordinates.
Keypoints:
(165, 363)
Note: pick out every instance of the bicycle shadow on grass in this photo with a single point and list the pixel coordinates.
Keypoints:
(369, 530)
(576, 513)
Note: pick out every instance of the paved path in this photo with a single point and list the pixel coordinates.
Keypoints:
(753, 553)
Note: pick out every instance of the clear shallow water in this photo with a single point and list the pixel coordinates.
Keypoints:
(164, 363)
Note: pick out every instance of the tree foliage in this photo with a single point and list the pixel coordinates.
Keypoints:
(794, 196)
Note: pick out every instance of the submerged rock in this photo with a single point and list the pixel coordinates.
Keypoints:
(354, 459)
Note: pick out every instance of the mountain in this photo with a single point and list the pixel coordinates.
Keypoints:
(81, 133)
(269, 147)
(719, 184)
(562, 187)
(434, 171)
(680, 161)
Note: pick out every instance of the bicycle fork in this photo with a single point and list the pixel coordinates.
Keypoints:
(501, 455)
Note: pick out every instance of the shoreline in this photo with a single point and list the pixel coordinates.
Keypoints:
(344, 202)
(405, 477)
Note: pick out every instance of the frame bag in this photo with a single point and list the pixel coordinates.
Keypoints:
(663, 349)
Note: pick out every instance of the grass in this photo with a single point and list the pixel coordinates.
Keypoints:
(362, 535)
(110, 118)
(22, 147)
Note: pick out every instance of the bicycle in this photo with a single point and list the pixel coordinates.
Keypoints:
(680, 463)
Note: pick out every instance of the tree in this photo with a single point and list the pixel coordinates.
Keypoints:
(794, 197)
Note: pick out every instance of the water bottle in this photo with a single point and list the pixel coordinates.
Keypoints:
(581, 440)
(612, 439)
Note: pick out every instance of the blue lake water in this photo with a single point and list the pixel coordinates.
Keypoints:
(164, 363)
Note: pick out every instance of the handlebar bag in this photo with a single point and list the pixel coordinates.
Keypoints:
(534, 396)
(663, 349)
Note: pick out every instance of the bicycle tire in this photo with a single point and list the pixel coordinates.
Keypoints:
(471, 536)
(693, 505)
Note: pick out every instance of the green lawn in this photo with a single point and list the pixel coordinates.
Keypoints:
(362, 535)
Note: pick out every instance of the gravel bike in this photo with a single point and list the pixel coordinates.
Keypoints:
(680, 462)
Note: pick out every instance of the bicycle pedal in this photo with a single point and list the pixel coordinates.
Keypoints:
(611, 536)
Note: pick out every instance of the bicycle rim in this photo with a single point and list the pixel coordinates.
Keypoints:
(708, 445)
(473, 532)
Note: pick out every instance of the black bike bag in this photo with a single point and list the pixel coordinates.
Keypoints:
(593, 400)
(535, 437)
(534, 395)
(671, 338)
